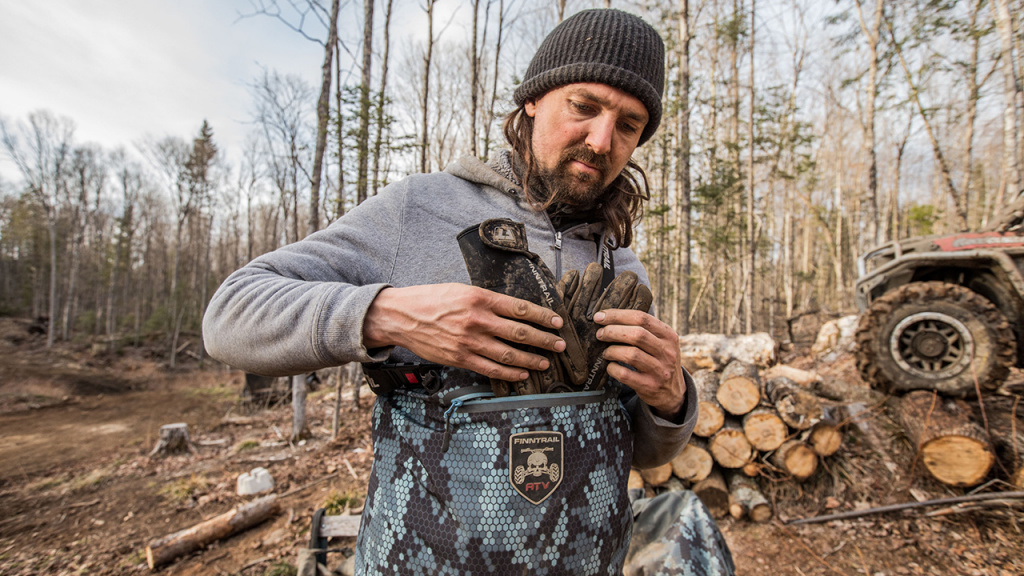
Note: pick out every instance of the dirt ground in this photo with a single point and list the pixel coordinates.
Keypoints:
(79, 493)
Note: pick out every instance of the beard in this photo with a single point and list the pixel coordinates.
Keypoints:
(579, 189)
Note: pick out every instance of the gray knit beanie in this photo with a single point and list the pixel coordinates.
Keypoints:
(606, 46)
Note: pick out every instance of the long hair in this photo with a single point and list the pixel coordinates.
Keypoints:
(623, 202)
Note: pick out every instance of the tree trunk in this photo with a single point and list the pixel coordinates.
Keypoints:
(363, 139)
(683, 258)
(1013, 115)
(474, 83)
(381, 100)
(748, 300)
(425, 100)
(299, 430)
(954, 450)
(323, 112)
(163, 550)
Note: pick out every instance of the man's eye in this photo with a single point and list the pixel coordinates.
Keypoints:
(627, 128)
(581, 107)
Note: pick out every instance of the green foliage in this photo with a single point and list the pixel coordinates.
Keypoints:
(338, 503)
(921, 219)
(158, 321)
(281, 568)
(181, 490)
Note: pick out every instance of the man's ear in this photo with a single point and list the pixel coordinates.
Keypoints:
(530, 107)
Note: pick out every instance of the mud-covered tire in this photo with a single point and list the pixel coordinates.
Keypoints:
(934, 336)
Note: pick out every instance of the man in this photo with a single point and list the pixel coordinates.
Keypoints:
(466, 483)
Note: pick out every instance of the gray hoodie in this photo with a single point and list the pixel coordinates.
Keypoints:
(301, 308)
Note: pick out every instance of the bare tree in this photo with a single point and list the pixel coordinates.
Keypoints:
(41, 151)
(363, 138)
(425, 96)
(1013, 107)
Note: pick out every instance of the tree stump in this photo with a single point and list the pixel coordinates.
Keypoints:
(746, 499)
(797, 459)
(764, 429)
(739, 388)
(713, 493)
(954, 450)
(797, 407)
(710, 415)
(694, 462)
(173, 440)
(730, 447)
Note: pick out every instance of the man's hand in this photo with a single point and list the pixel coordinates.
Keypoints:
(652, 348)
(463, 326)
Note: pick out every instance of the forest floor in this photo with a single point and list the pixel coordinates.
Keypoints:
(79, 493)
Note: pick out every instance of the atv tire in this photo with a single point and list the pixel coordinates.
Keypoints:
(934, 336)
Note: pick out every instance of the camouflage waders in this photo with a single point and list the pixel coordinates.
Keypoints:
(516, 485)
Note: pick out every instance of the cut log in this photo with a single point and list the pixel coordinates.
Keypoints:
(1005, 416)
(796, 459)
(713, 493)
(694, 462)
(657, 476)
(739, 388)
(173, 439)
(805, 378)
(163, 550)
(710, 415)
(752, 469)
(712, 351)
(729, 446)
(797, 407)
(635, 480)
(954, 450)
(746, 499)
(825, 437)
(764, 429)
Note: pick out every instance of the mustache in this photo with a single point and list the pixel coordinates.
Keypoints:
(584, 154)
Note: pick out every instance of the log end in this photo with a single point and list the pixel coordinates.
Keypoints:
(959, 461)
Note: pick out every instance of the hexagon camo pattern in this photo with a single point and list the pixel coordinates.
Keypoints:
(431, 512)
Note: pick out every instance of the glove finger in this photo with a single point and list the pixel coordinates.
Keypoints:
(501, 388)
(642, 298)
(619, 293)
(568, 285)
(587, 293)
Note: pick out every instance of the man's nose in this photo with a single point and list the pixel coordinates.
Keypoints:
(599, 136)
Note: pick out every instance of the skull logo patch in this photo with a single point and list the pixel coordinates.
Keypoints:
(535, 464)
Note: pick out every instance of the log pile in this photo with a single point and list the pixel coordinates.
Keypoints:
(750, 424)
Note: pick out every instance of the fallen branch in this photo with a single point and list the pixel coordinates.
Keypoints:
(163, 550)
(907, 506)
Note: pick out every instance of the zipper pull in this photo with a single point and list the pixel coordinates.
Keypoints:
(558, 240)
(447, 423)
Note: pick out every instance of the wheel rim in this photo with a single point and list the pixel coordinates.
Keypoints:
(931, 345)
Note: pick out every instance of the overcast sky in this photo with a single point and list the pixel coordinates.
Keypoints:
(122, 69)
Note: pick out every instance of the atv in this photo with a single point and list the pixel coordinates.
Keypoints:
(943, 313)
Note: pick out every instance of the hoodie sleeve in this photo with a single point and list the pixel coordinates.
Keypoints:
(301, 307)
(657, 441)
